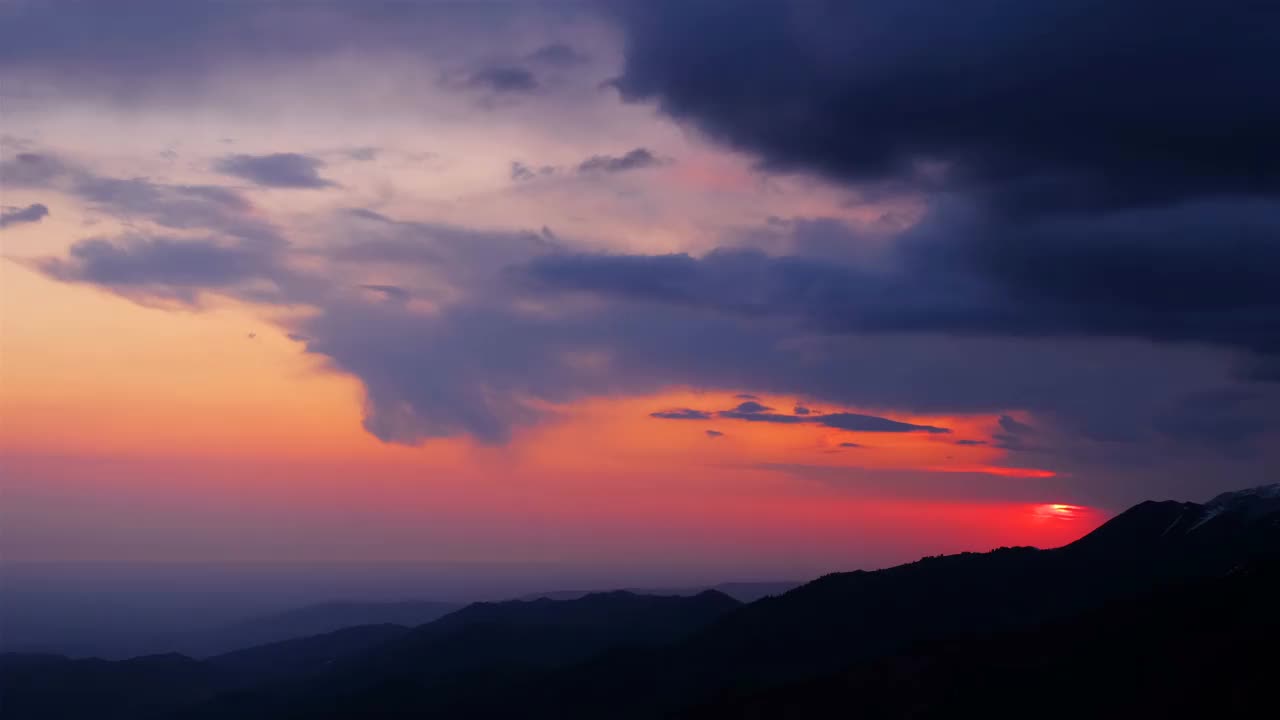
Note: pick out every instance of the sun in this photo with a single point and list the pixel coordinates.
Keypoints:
(1058, 511)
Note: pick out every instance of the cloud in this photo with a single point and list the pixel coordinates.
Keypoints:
(173, 268)
(871, 423)
(594, 165)
(363, 154)
(801, 410)
(523, 173)
(633, 160)
(753, 415)
(851, 445)
(391, 293)
(29, 169)
(156, 45)
(277, 170)
(1041, 219)
(558, 55)
(971, 443)
(1144, 273)
(714, 434)
(205, 237)
(872, 90)
(752, 411)
(681, 414)
(930, 484)
(493, 353)
(35, 212)
(1226, 420)
(176, 207)
(1014, 427)
(503, 79)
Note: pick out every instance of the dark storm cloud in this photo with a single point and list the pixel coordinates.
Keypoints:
(1129, 190)
(1019, 443)
(278, 170)
(1151, 274)
(1164, 104)
(681, 414)
(35, 212)
(1014, 427)
(1226, 420)
(632, 160)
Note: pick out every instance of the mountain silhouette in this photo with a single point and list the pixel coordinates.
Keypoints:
(370, 660)
(1160, 586)
(321, 618)
(1202, 649)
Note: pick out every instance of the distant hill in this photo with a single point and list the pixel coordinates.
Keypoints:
(1162, 594)
(353, 662)
(313, 620)
(477, 647)
(741, 591)
(139, 638)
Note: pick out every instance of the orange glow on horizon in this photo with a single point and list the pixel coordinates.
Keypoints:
(999, 470)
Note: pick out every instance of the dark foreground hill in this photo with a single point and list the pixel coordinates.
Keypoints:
(1142, 591)
(1203, 649)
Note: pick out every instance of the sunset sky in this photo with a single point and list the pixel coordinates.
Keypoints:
(738, 289)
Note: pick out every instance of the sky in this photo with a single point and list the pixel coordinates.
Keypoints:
(697, 290)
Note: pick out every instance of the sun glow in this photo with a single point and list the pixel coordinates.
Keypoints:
(1059, 511)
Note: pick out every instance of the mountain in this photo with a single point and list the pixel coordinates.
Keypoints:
(848, 618)
(313, 620)
(52, 686)
(479, 646)
(303, 656)
(353, 664)
(1203, 649)
(1162, 594)
(117, 633)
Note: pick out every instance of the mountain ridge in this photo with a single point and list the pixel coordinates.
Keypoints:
(624, 655)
